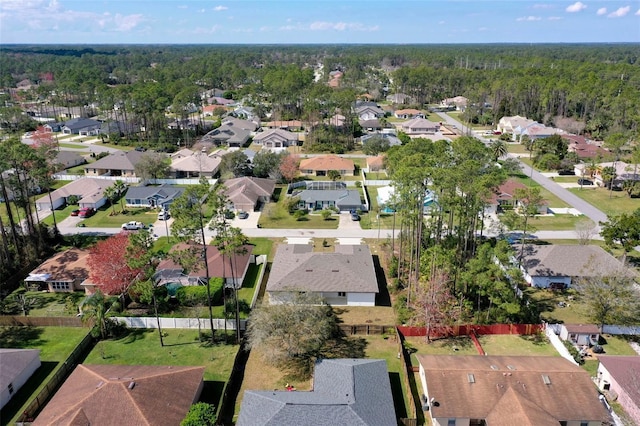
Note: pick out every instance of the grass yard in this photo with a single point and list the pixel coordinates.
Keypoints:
(181, 347)
(276, 216)
(517, 148)
(72, 146)
(54, 304)
(61, 214)
(374, 315)
(618, 203)
(376, 176)
(103, 218)
(575, 311)
(371, 220)
(55, 344)
(551, 199)
(558, 222)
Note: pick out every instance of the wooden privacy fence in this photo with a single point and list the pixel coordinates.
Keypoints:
(78, 354)
(41, 321)
(405, 371)
(481, 330)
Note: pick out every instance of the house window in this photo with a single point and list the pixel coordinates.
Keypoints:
(342, 294)
(451, 422)
(606, 386)
(60, 285)
(10, 387)
(584, 423)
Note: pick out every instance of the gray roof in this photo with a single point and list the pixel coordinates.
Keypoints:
(342, 197)
(82, 123)
(349, 269)
(14, 361)
(228, 134)
(568, 261)
(163, 193)
(118, 161)
(348, 392)
(389, 137)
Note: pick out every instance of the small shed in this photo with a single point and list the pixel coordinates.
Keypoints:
(580, 334)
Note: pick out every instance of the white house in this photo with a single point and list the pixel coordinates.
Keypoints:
(620, 375)
(15, 369)
(580, 334)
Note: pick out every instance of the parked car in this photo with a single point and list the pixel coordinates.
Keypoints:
(141, 148)
(163, 215)
(132, 226)
(243, 215)
(355, 217)
(75, 212)
(583, 181)
(86, 212)
(566, 173)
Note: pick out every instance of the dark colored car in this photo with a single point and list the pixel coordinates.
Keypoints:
(243, 215)
(355, 217)
(75, 212)
(583, 181)
(86, 212)
(140, 148)
(566, 173)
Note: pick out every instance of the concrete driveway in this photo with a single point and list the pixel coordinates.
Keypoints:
(346, 223)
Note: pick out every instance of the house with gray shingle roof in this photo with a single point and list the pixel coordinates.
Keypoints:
(119, 163)
(246, 193)
(318, 199)
(349, 392)
(275, 139)
(345, 277)
(17, 366)
(561, 264)
(152, 196)
(227, 134)
(196, 165)
(81, 126)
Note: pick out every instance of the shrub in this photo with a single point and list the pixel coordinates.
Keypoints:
(326, 214)
(299, 214)
(72, 200)
(200, 414)
(574, 352)
(197, 295)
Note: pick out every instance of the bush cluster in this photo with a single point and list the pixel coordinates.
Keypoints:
(197, 295)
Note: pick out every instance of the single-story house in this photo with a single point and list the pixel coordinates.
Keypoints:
(183, 124)
(196, 165)
(219, 267)
(119, 127)
(318, 199)
(375, 164)
(624, 172)
(372, 125)
(620, 376)
(244, 112)
(390, 138)
(535, 131)
(368, 111)
(294, 125)
(62, 272)
(68, 159)
(417, 126)
(503, 198)
(509, 124)
(459, 102)
(508, 390)
(152, 196)
(345, 277)
(227, 134)
(580, 334)
(561, 264)
(54, 127)
(247, 193)
(208, 110)
(275, 139)
(17, 366)
(119, 163)
(90, 193)
(584, 148)
(386, 201)
(181, 153)
(345, 392)
(124, 394)
(320, 166)
(408, 113)
(239, 123)
(82, 127)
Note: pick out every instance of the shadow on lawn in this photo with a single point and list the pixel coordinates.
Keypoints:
(19, 337)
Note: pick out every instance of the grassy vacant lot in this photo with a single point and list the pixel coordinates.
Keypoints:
(181, 347)
(55, 344)
(611, 203)
(362, 315)
(259, 376)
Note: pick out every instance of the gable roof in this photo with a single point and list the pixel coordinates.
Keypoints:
(419, 123)
(342, 197)
(240, 123)
(69, 265)
(248, 189)
(505, 191)
(196, 162)
(376, 162)
(569, 261)
(582, 328)
(219, 266)
(480, 387)
(118, 394)
(89, 190)
(345, 392)
(227, 133)
(349, 269)
(326, 162)
(82, 123)
(162, 193)
(626, 371)
(119, 160)
(14, 362)
(277, 134)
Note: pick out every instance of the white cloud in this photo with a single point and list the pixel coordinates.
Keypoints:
(638, 12)
(543, 6)
(220, 8)
(601, 11)
(554, 18)
(127, 22)
(529, 18)
(209, 30)
(202, 11)
(483, 29)
(576, 7)
(329, 26)
(620, 12)
(441, 22)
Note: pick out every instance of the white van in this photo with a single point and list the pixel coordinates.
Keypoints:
(163, 215)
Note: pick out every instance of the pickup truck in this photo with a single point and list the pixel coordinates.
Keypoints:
(133, 225)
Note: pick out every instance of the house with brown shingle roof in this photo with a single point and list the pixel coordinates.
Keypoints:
(408, 113)
(503, 198)
(124, 394)
(345, 277)
(119, 163)
(90, 193)
(375, 164)
(583, 148)
(246, 193)
(319, 166)
(62, 272)
(196, 165)
(619, 376)
(561, 264)
(232, 271)
(508, 390)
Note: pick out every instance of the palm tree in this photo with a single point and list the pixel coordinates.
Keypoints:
(94, 310)
(498, 149)
(111, 195)
(120, 187)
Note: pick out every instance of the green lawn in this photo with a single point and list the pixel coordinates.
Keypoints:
(370, 220)
(181, 347)
(517, 148)
(276, 216)
(61, 214)
(55, 344)
(72, 146)
(551, 199)
(104, 217)
(559, 222)
(534, 345)
(376, 176)
(611, 203)
(575, 311)
(262, 246)
(54, 304)
(77, 170)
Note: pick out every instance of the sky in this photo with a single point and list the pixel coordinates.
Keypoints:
(317, 21)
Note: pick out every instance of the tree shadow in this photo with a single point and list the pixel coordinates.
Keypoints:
(20, 337)
(537, 339)
(132, 335)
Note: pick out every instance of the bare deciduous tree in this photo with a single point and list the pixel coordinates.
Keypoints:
(586, 229)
